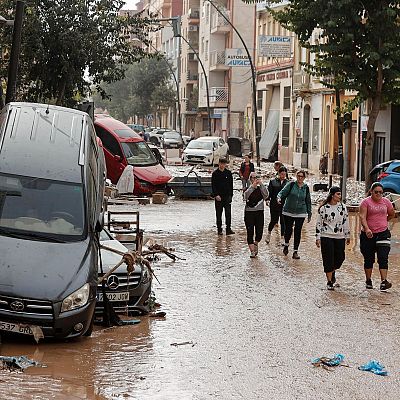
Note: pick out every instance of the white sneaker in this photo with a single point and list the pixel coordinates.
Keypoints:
(268, 237)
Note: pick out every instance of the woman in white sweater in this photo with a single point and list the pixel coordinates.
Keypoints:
(332, 233)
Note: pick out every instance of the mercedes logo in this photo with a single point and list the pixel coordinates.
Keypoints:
(113, 282)
(17, 306)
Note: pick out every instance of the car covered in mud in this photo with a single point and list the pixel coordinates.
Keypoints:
(122, 147)
(127, 293)
(51, 204)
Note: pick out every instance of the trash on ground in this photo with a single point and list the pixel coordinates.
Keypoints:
(183, 344)
(157, 314)
(18, 363)
(375, 367)
(329, 362)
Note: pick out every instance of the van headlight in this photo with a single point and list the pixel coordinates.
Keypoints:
(77, 299)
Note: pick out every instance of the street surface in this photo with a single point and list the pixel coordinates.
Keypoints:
(253, 325)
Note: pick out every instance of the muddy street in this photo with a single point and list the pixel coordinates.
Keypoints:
(235, 327)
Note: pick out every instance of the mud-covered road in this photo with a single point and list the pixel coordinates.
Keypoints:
(253, 325)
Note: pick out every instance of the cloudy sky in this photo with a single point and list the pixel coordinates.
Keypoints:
(130, 5)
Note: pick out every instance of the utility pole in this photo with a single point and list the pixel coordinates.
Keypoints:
(340, 137)
(253, 76)
(15, 52)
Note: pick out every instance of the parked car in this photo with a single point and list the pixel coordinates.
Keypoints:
(171, 140)
(52, 192)
(126, 292)
(205, 150)
(388, 174)
(121, 147)
(156, 135)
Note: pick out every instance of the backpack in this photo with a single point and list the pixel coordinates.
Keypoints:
(255, 197)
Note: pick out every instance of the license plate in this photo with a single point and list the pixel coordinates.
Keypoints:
(120, 296)
(17, 328)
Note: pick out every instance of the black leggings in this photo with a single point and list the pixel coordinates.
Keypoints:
(254, 220)
(298, 225)
(333, 253)
(370, 246)
(276, 215)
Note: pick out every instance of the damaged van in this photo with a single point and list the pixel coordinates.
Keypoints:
(51, 198)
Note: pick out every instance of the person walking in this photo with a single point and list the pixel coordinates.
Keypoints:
(275, 209)
(255, 196)
(222, 188)
(375, 212)
(277, 166)
(246, 168)
(332, 233)
(296, 200)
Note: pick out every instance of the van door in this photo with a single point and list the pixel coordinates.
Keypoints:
(115, 160)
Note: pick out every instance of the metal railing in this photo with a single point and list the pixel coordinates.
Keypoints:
(217, 21)
(217, 58)
(219, 94)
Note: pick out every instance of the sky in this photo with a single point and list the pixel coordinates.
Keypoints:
(130, 5)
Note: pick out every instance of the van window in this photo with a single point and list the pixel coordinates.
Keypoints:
(138, 153)
(109, 142)
(41, 208)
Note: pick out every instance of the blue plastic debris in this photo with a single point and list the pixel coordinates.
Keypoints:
(375, 367)
(334, 361)
(20, 363)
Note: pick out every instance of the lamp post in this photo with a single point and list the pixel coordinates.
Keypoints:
(15, 51)
(253, 76)
(177, 33)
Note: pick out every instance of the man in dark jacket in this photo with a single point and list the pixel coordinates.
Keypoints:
(222, 187)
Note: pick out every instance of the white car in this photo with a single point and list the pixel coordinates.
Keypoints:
(206, 150)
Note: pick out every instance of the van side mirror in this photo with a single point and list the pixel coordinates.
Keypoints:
(117, 158)
(215, 146)
(99, 223)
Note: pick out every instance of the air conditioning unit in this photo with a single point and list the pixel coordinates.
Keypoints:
(193, 28)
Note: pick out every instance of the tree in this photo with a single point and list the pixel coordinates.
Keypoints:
(70, 45)
(358, 45)
(144, 90)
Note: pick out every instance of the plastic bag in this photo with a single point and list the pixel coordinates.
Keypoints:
(375, 367)
(126, 181)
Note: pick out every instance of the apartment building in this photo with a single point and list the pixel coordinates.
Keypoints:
(229, 88)
(189, 90)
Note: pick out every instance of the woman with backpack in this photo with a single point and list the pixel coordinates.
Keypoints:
(296, 200)
(254, 196)
(274, 187)
(332, 233)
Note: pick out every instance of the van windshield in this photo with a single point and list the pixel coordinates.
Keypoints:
(41, 209)
(138, 153)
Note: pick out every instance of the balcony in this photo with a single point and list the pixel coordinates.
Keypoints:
(192, 78)
(219, 24)
(191, 56)
(191, 107)
(219, 97)
(301, 81)
(194, 44)
(217, 61)
(194, 16)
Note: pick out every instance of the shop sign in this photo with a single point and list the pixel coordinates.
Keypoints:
(275, 46)
(236, 58)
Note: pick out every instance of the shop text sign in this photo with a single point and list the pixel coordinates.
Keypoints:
(236, 58)
(274, 46)
(273, 76)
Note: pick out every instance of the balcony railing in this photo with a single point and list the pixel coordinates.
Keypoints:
(217, 58)
(194, 14)
(191, 106)
(219, 23)
(219, 94)
(192, 77)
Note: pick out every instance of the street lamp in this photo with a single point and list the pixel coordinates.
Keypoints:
(177, 33)
(176, 83)
(253, 76)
